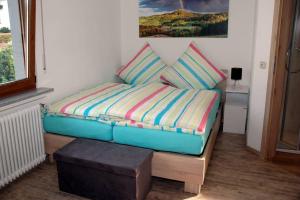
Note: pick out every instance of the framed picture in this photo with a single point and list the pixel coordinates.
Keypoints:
(183, 18)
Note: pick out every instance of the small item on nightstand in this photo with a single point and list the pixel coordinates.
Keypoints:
(236, 74)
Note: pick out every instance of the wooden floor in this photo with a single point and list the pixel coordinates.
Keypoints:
(234, 174)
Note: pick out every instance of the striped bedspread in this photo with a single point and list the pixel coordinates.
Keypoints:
(152, 105)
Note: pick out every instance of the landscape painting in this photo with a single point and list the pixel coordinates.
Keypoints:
(183, 18)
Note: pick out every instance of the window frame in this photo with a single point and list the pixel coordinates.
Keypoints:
(30, 82)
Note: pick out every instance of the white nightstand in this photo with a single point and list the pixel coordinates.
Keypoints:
(236, 109)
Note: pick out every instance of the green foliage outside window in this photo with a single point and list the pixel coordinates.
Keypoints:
(7, 70)
(4, 30)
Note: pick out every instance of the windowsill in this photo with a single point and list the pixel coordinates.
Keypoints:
(6, 101)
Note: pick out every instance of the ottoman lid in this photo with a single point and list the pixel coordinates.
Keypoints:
(105, 156)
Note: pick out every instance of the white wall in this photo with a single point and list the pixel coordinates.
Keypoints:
(234, 51)
(262, 49)
(82, 44)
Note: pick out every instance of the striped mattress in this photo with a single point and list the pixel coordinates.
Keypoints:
(152, 106)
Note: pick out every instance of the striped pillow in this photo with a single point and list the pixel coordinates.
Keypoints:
(193, 70)
(145, 67)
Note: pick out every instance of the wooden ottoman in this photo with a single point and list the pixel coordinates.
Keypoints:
(101, 170)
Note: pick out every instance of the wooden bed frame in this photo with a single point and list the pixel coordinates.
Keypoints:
(185, 168)
(188, 169)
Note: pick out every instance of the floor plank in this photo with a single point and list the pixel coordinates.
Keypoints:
(234, 174)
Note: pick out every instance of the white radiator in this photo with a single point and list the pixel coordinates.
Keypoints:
(21, 143)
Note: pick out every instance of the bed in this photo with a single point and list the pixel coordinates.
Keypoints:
(180, 125)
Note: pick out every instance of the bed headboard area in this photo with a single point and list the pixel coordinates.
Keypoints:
(223, 84)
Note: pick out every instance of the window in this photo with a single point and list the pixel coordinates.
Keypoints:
(17, 46)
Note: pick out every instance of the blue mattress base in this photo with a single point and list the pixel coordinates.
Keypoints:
(159, 140)
(80, 128)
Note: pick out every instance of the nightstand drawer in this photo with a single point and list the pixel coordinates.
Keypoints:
(237, 99)
(235, 118)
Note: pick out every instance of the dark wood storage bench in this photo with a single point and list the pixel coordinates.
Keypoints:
(101, 170)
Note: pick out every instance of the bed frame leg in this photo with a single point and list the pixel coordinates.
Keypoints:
(50, 157)
(192, 188)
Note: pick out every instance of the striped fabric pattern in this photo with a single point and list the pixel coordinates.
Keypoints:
(145, 67)
(193, 70)
(154, 106)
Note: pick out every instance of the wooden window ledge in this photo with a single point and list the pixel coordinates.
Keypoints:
(23, 96)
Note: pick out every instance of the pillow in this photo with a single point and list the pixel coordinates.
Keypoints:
(193, 70)
(145, 67)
